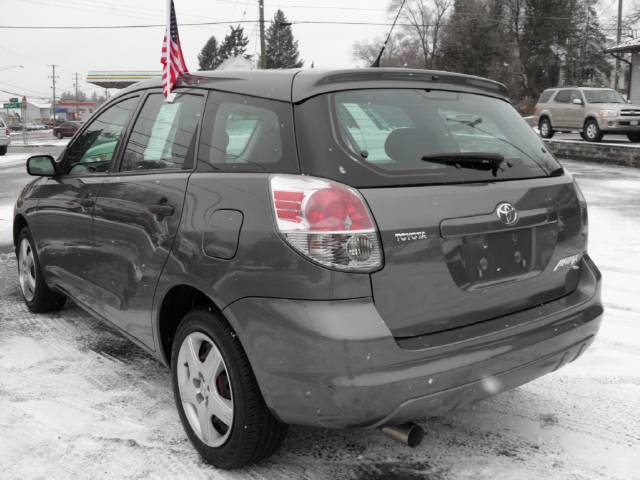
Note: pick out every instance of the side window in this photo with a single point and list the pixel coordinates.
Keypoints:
(247, 134)
(93, 150)
(563, 96)
(164, 134)
(576, 95)
(546, 95)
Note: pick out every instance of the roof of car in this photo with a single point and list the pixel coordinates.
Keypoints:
(578, 88)
(295, 85)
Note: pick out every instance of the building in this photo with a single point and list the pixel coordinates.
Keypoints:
(632, 48)
(119, 78)
(38, 111)
(70, 110)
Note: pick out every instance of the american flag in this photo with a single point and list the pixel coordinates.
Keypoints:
(172, 58)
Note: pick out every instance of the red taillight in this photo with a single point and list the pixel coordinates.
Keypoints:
(327, 222)
(288, 205)
(337, 209)
(7, 132)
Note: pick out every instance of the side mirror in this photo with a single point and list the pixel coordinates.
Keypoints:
(41, 166)
(577, 101)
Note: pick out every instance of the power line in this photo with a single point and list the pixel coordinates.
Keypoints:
(235, 22)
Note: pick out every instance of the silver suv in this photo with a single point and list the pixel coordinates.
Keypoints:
(593, 112)
(5, 139)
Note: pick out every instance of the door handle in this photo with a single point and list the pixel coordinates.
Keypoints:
(162, 209)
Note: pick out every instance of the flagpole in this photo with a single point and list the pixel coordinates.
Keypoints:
(167, 35)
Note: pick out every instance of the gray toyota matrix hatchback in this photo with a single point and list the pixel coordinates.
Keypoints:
(357, 248)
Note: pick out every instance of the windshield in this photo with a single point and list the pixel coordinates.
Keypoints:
(390, 136)
(606, 95)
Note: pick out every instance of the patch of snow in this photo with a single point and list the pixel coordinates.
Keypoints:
(6, 224)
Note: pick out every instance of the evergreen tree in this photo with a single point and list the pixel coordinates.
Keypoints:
(210, 56)
(281, 48)
(235, 44)
(586, 62)
(71, 96)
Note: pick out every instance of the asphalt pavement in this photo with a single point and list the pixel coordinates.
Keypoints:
(77, 400)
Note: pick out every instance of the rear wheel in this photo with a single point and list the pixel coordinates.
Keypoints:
(59, 135)
(591, 131)
(546, 130)
(3, 150)
(217, 396)
(634, 137)
(37, 295)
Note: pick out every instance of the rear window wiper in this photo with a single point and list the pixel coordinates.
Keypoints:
(473, 160)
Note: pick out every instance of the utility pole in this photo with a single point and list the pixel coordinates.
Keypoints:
(53, 80)
(24, 120)
(263, 51)
(619, 39)
(75, 84)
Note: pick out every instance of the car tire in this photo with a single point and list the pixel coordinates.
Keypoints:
(59, 135)
(591, 131)
(37, 295)
(3, 150)
(545, 128)
(634, 137)
(254, 433)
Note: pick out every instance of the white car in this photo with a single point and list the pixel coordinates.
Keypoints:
(5, 139)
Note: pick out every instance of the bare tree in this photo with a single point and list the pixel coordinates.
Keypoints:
(401, 51)
(424, 19)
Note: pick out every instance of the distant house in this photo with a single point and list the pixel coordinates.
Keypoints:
(631, 47)
(37, 112)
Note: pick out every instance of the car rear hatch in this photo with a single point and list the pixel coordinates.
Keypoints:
(450, 261)
(476, 218)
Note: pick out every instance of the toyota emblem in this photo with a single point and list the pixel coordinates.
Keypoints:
(507, 213)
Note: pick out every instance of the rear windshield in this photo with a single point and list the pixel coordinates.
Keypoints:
(409, 137)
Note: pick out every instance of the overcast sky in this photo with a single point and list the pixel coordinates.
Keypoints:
(79, 51)
(329, 46)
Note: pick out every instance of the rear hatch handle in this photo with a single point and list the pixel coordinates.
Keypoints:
(489, 223)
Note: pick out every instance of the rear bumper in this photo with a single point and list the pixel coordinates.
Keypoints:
(4, 141)
(335, 364)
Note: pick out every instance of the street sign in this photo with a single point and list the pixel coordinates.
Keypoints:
(14, 100)
(13, 105)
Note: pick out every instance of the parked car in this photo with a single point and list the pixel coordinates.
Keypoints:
(359, 248)
(594, 112)
(66, 129)
(5, 137)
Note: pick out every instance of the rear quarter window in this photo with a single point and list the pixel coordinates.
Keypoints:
(546, 96)
(247, 134)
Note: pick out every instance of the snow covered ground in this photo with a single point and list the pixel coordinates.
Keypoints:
(79, 401)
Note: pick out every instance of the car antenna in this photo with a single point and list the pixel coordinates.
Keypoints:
(376, 64)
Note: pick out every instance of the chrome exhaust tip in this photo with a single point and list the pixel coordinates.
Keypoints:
(410, 433)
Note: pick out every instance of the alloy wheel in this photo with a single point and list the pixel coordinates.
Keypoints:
(544, 128)
(205, 389)
(27, 270)
(592, 131)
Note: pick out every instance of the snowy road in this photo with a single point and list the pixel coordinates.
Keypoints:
(79, 401)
